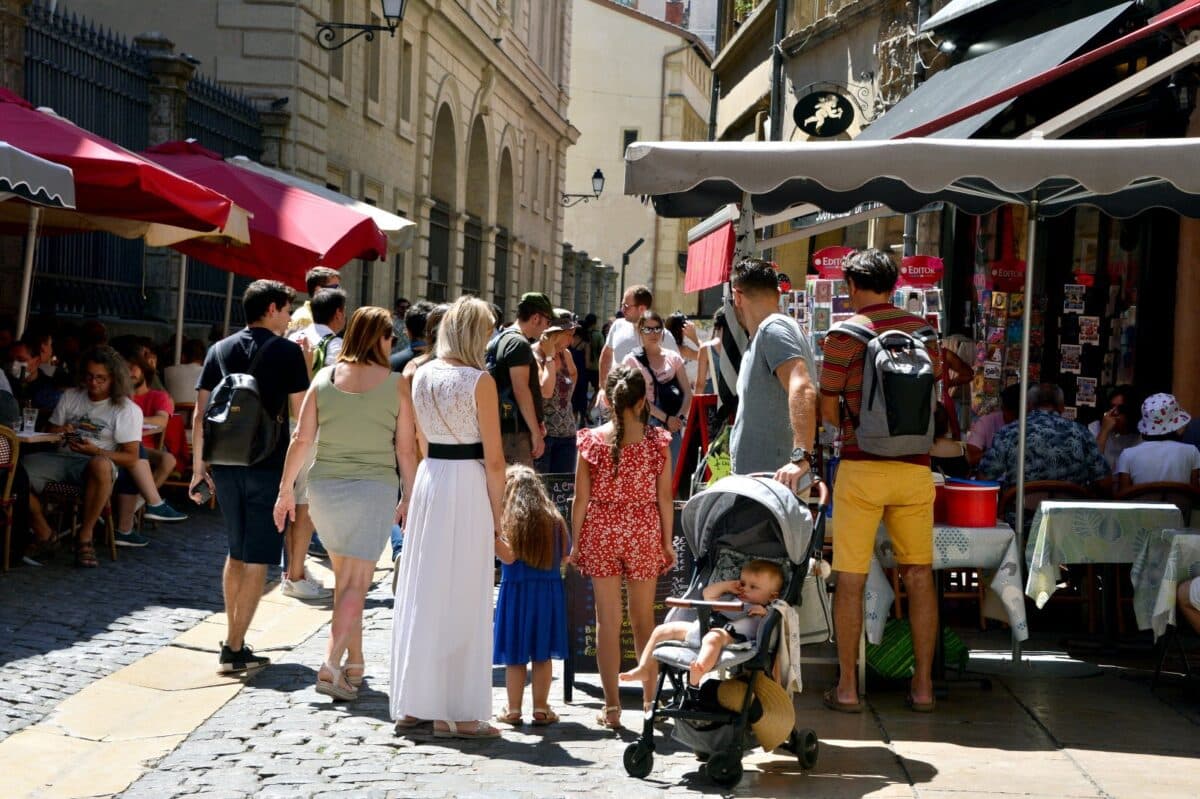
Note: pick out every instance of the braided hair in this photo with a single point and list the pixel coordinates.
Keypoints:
(625, 388)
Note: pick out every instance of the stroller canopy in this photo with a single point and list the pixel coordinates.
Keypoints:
(752, 514)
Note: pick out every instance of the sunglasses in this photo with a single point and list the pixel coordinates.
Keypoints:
(652, 331)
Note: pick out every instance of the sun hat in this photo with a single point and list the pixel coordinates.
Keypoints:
(1161, 415)
(778, 717)
(561, 320)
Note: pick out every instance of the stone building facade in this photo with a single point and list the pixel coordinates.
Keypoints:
(457, 121)
(634, 78)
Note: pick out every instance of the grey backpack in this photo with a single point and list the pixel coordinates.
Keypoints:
(899, 391)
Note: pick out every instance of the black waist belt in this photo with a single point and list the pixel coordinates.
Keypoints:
(456, 452)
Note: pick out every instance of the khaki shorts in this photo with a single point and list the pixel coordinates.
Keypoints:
(898, 494)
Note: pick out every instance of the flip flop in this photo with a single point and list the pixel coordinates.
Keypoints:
(920, 707)
(833, 703)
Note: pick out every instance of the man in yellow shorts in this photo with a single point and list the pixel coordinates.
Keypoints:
(870, 488)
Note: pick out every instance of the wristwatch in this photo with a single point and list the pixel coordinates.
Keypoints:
(801, 455)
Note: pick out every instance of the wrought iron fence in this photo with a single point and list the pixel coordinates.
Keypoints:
(472, 282)
(228, 123)
(101, 82)
(436, 287)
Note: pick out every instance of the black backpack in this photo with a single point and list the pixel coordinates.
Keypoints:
(509, 412)
(238, 431)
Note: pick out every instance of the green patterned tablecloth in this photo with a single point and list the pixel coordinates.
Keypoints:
(1089, 532)
(1167, 558)
(992, 550)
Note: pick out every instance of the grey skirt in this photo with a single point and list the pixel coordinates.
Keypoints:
(353, 517)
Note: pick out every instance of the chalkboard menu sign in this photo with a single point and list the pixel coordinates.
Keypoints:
(581, 606)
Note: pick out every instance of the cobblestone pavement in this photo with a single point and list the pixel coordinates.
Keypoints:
(62, 628)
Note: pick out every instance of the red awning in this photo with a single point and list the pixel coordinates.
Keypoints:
(291, 230)
(110, 181)
(709, 259)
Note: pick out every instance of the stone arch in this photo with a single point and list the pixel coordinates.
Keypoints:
(443, 177)
(478, 189)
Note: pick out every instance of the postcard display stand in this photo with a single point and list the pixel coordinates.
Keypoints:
(825, 302)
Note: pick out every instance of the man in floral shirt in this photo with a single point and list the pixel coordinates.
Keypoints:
(1056, 448)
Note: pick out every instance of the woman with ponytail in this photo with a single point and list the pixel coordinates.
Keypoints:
(622, 521)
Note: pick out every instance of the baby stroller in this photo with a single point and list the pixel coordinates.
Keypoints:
(736, 520)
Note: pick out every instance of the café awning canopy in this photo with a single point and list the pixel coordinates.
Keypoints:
(24, 176)
(115, 189)
(1121, 177)
(399, 231)
(291, 230)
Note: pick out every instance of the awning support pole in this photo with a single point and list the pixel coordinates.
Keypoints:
(35, 213)
(228, 303)
(1022, 418)
(179, 303)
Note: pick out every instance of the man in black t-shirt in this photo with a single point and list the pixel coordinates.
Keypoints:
(247, 493)
(518, 381)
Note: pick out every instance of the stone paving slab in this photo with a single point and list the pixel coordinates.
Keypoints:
(62, 628)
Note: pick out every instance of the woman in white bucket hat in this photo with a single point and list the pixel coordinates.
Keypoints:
(1161, 457)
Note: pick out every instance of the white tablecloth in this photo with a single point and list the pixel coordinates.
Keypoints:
(1089, 532)
(1167, 558)
(992, 550)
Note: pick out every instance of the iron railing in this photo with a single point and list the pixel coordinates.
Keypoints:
(436, 288)
(101, 82)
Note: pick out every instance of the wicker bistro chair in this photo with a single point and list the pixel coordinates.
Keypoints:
(68, 497)
(10, 451)
(1182, 495)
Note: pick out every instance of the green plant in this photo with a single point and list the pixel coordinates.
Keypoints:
(742, 8)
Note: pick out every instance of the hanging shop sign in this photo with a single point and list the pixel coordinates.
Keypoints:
(828, 261)
(823, 114)
(921, 270)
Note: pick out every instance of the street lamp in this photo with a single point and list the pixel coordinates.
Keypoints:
(328, 32)
(567, 200)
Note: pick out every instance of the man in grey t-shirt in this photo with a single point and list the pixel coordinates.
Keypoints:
(777, 398)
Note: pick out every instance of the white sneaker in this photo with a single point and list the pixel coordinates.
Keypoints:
(305, 589)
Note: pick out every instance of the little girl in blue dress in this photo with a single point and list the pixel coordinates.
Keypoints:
(531, 613)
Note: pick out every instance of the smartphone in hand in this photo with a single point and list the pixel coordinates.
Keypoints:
(201, 494)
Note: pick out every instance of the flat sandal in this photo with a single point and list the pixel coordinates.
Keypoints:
(85, 556)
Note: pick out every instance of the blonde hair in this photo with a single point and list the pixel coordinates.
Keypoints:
(530, 519)
(624, 388)
(464, 332)
(766, 568)
(368, 325)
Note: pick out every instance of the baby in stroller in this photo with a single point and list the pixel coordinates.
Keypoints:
(742, 608)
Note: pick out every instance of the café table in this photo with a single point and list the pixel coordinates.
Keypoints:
(992, 550)
(39, 438)
(1089, 531)
(1167, 558)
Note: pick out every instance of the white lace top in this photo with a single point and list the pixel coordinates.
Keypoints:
(444, 403)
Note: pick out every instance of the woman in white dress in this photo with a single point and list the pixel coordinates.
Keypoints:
(442, 617)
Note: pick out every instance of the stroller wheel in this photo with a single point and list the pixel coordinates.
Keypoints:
(806, 747)
(638, 761)
(725, 768)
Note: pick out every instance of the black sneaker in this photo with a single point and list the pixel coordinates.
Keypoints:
(316, 548)
(241, 661)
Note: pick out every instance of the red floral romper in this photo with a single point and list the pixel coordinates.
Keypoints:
(622, 532)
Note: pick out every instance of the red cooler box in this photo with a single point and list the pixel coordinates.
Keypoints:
(968, 503)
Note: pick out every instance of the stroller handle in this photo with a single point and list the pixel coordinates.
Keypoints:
(814, 483)
(677, 602)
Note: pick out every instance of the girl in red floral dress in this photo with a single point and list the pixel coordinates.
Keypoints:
(622, 519)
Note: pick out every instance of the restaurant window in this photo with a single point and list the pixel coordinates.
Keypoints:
(472, 256)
